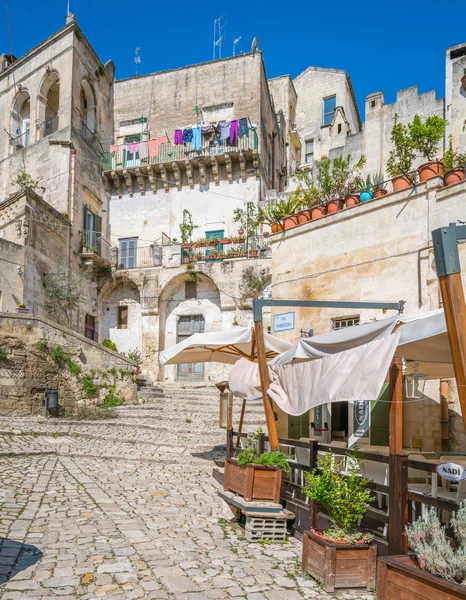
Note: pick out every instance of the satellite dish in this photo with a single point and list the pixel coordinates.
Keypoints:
(255, 44)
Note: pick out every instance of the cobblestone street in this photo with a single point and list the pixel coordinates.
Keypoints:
(129, 509)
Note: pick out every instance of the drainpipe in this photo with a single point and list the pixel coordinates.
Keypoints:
(444, 410)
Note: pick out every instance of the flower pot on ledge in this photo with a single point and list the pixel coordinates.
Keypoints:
(334, 206)
(380, 193)
(290, 222)
(339, 565)
(430, 169)
(304, 216)
(318, 211)
(454, 176)
(402, 182)
(352, 200)
(276, 227)
(400, 577)
(252, 482)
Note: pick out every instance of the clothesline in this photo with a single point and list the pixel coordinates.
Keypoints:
(217, 133)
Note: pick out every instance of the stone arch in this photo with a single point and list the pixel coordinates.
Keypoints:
(48, 104)
(87, 107)
(21, 119)
(120, 314)
(173, 304)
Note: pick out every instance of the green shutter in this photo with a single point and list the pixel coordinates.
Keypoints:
(379, 418)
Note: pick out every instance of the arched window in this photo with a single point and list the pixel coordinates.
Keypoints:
(87, 110)
(48, 104)
(20, 120)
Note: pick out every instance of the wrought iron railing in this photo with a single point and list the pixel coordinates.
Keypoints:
(48, 127)
(148, 256)
(95, 242)
(228, 249)
(20, 141)
(169, 152)
(87, 133)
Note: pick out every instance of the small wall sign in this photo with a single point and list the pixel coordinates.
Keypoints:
(283, 322)
(451, 471)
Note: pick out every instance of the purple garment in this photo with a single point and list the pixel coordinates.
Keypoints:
(178, 137)
(234, 131)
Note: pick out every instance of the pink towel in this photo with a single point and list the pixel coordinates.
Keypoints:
(115, 148)
(133, 147)
(153, 147)
(161, 140)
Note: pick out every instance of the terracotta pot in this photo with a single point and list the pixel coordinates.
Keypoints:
(253, 253)
(240, 232)
(454, 176)
(304, 216)
(352, 200)
(334, 206)
(290, 222)
(277, 226)
(429, 170)
(266, 233)
(380, 193)
(318, 211)
(401, 183)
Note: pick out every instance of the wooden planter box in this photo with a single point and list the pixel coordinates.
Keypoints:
(253, 482)
(339, 565)
(400, 577)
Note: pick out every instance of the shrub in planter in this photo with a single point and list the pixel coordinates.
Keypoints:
(436, 569)
(400, 159)
(454, 164)
(342, 556)
(425, 137)
(248, 218)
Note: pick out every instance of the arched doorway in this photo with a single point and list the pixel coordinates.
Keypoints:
(188, 306)
(21, 120)
(87, 110)
(48, 104)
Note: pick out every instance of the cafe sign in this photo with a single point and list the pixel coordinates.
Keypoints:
(451, 471)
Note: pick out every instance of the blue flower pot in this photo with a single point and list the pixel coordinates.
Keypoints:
(365, 196)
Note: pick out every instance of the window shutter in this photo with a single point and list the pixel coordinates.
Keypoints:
(123, 253)
(132, 245)
(98, 229)
(85, 217)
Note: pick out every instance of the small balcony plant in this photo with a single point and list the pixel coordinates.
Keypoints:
(426, 136)
(187, 227)
(436, 564)
(268, 214)
(454, 164)
(345, 548)
(247, 218)
(401, 157)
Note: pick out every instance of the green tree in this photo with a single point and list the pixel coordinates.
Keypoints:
(63, 293)
(248, 218)
(401, 157)
(187, 226)
(426, 135)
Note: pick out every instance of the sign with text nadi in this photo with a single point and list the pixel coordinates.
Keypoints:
(451, 471)
(283, 322)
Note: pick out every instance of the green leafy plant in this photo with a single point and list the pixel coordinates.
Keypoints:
(426, 135)
(287, 207)
(342, 493)
(73, 368)
(110, 345)
(401, 157)
(187, 226)
(112, 371)
(452, 159)
(25, 182)
(57, 354)
(253, 280)
(434, 552)
(111, 399)
(174, 240)
(270, 459)
(3, 355)
(267, 213)
(42, 345)
(135, 355)
(89, 387)
(65, 291)
(248, 218)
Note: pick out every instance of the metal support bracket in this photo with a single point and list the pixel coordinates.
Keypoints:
(445, 241)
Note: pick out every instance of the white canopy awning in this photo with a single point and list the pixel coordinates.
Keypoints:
(221, 346)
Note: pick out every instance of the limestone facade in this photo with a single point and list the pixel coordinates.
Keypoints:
(377, 251)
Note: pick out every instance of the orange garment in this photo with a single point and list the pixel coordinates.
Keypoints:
(153, 147)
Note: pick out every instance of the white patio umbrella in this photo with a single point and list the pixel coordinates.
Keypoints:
(221, 346)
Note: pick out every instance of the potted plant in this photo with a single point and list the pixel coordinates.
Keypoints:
(378, 185)
(435, 569)
(21, 308)
(256, 476)
(248, 218)
(187, 227)
(306, 194)
(426, 136)
(401, 157)
(343, 180)
(285, 210)
(454, 164)
(365, 188)
(341, 556)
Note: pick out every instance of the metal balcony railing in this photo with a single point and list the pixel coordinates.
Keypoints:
(148, 256)
(95, 242)
(256, 246)
(169, 152)
(20, 141)
(87, 133)
(48, 127)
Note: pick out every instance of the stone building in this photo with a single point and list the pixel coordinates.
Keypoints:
(379, 251)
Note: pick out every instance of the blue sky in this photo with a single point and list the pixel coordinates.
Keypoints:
(382, 45)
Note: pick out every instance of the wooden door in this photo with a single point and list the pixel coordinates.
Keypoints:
(187, 325)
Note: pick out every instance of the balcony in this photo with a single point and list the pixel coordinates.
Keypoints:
(21, 141)
(48, 127)
(95, 250)
(140, 258)
(169, 153)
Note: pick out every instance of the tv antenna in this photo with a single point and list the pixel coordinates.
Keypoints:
(218, 36)
(137, 58)
(235, 43)
(254, 45)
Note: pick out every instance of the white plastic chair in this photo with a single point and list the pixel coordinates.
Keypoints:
(421, 488)
(378, 473)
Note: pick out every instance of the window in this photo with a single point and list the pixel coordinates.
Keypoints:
(190, 290)
(92, 231)
(309, 149)
(329, 108)
(127, 253)
(339, 128)
(122, 317)
(90, 327)
(132, 158)
(343, 322)
(373, 103)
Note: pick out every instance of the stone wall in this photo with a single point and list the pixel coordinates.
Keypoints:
(27, 370)
(11, 284)
(377, 251)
